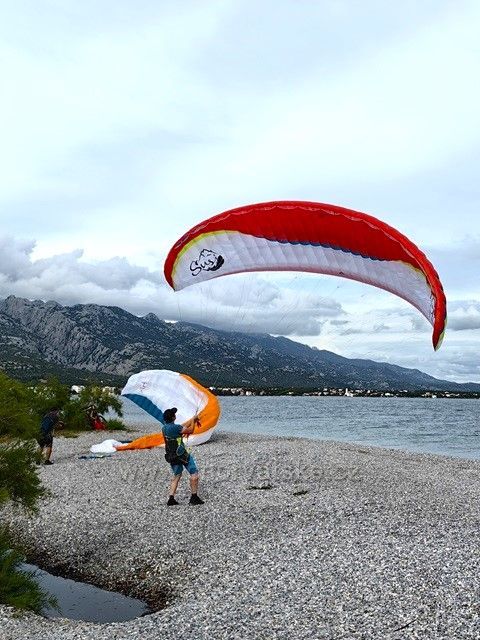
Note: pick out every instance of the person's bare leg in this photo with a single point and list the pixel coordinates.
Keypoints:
(194, 499)
(48, 453)
(194, 483)
(173, 488)
(174, 484)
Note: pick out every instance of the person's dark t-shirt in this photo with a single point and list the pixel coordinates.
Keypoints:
(48, 423)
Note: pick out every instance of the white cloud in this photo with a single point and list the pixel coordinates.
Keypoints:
(321, 311)
(122, 127)
(465, 316)
(59, 274)
(168, 92)
(243, 303)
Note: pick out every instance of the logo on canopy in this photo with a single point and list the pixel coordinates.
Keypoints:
(206, 261)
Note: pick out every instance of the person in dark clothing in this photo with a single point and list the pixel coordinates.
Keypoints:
(177, 455)
(45, 440)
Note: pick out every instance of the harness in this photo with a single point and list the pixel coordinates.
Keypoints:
(172, 445)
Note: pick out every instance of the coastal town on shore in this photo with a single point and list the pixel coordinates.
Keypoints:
(326, 391)
(349, 393)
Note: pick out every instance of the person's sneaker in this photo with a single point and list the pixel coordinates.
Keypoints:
(48, 462)
(196, 500)
(171, 501)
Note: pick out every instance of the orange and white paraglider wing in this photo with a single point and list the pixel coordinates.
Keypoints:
(309, 236)
(157, 390)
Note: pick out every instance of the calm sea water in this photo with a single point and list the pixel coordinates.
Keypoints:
(430, 425)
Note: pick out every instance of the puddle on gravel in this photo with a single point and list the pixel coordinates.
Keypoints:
(82, 601)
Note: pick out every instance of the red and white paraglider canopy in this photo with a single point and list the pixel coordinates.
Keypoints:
(309, 236)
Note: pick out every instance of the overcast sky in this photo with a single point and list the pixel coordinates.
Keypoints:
(125, 123)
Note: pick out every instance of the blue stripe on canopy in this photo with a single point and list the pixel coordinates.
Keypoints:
(147, 405)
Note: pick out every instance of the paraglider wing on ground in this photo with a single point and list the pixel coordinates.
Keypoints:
(157, 390)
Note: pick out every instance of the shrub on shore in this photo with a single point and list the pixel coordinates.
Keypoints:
(115, 425)
(74, 407)
(19, 481)
(20, 484)
(21, 410)
(17, 418)
(18, 588)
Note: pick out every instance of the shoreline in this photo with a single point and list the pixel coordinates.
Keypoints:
(298, 538)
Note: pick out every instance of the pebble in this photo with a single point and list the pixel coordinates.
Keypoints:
(346, 542)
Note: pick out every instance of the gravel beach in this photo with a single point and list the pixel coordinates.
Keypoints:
(297, 539)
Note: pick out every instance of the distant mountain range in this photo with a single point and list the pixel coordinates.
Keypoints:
(107, 344)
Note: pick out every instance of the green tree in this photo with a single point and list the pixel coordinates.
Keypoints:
(75, 411)
(52, 393)
(17, 417)
(20, 484)
(48, 395)
(102, 398)
(19, 481)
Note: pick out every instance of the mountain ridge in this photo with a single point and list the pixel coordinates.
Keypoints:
(109, 343)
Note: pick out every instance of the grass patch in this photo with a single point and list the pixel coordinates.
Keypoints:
(114, 424)
(67, 433)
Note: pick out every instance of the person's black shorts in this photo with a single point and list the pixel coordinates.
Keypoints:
(45, 439)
